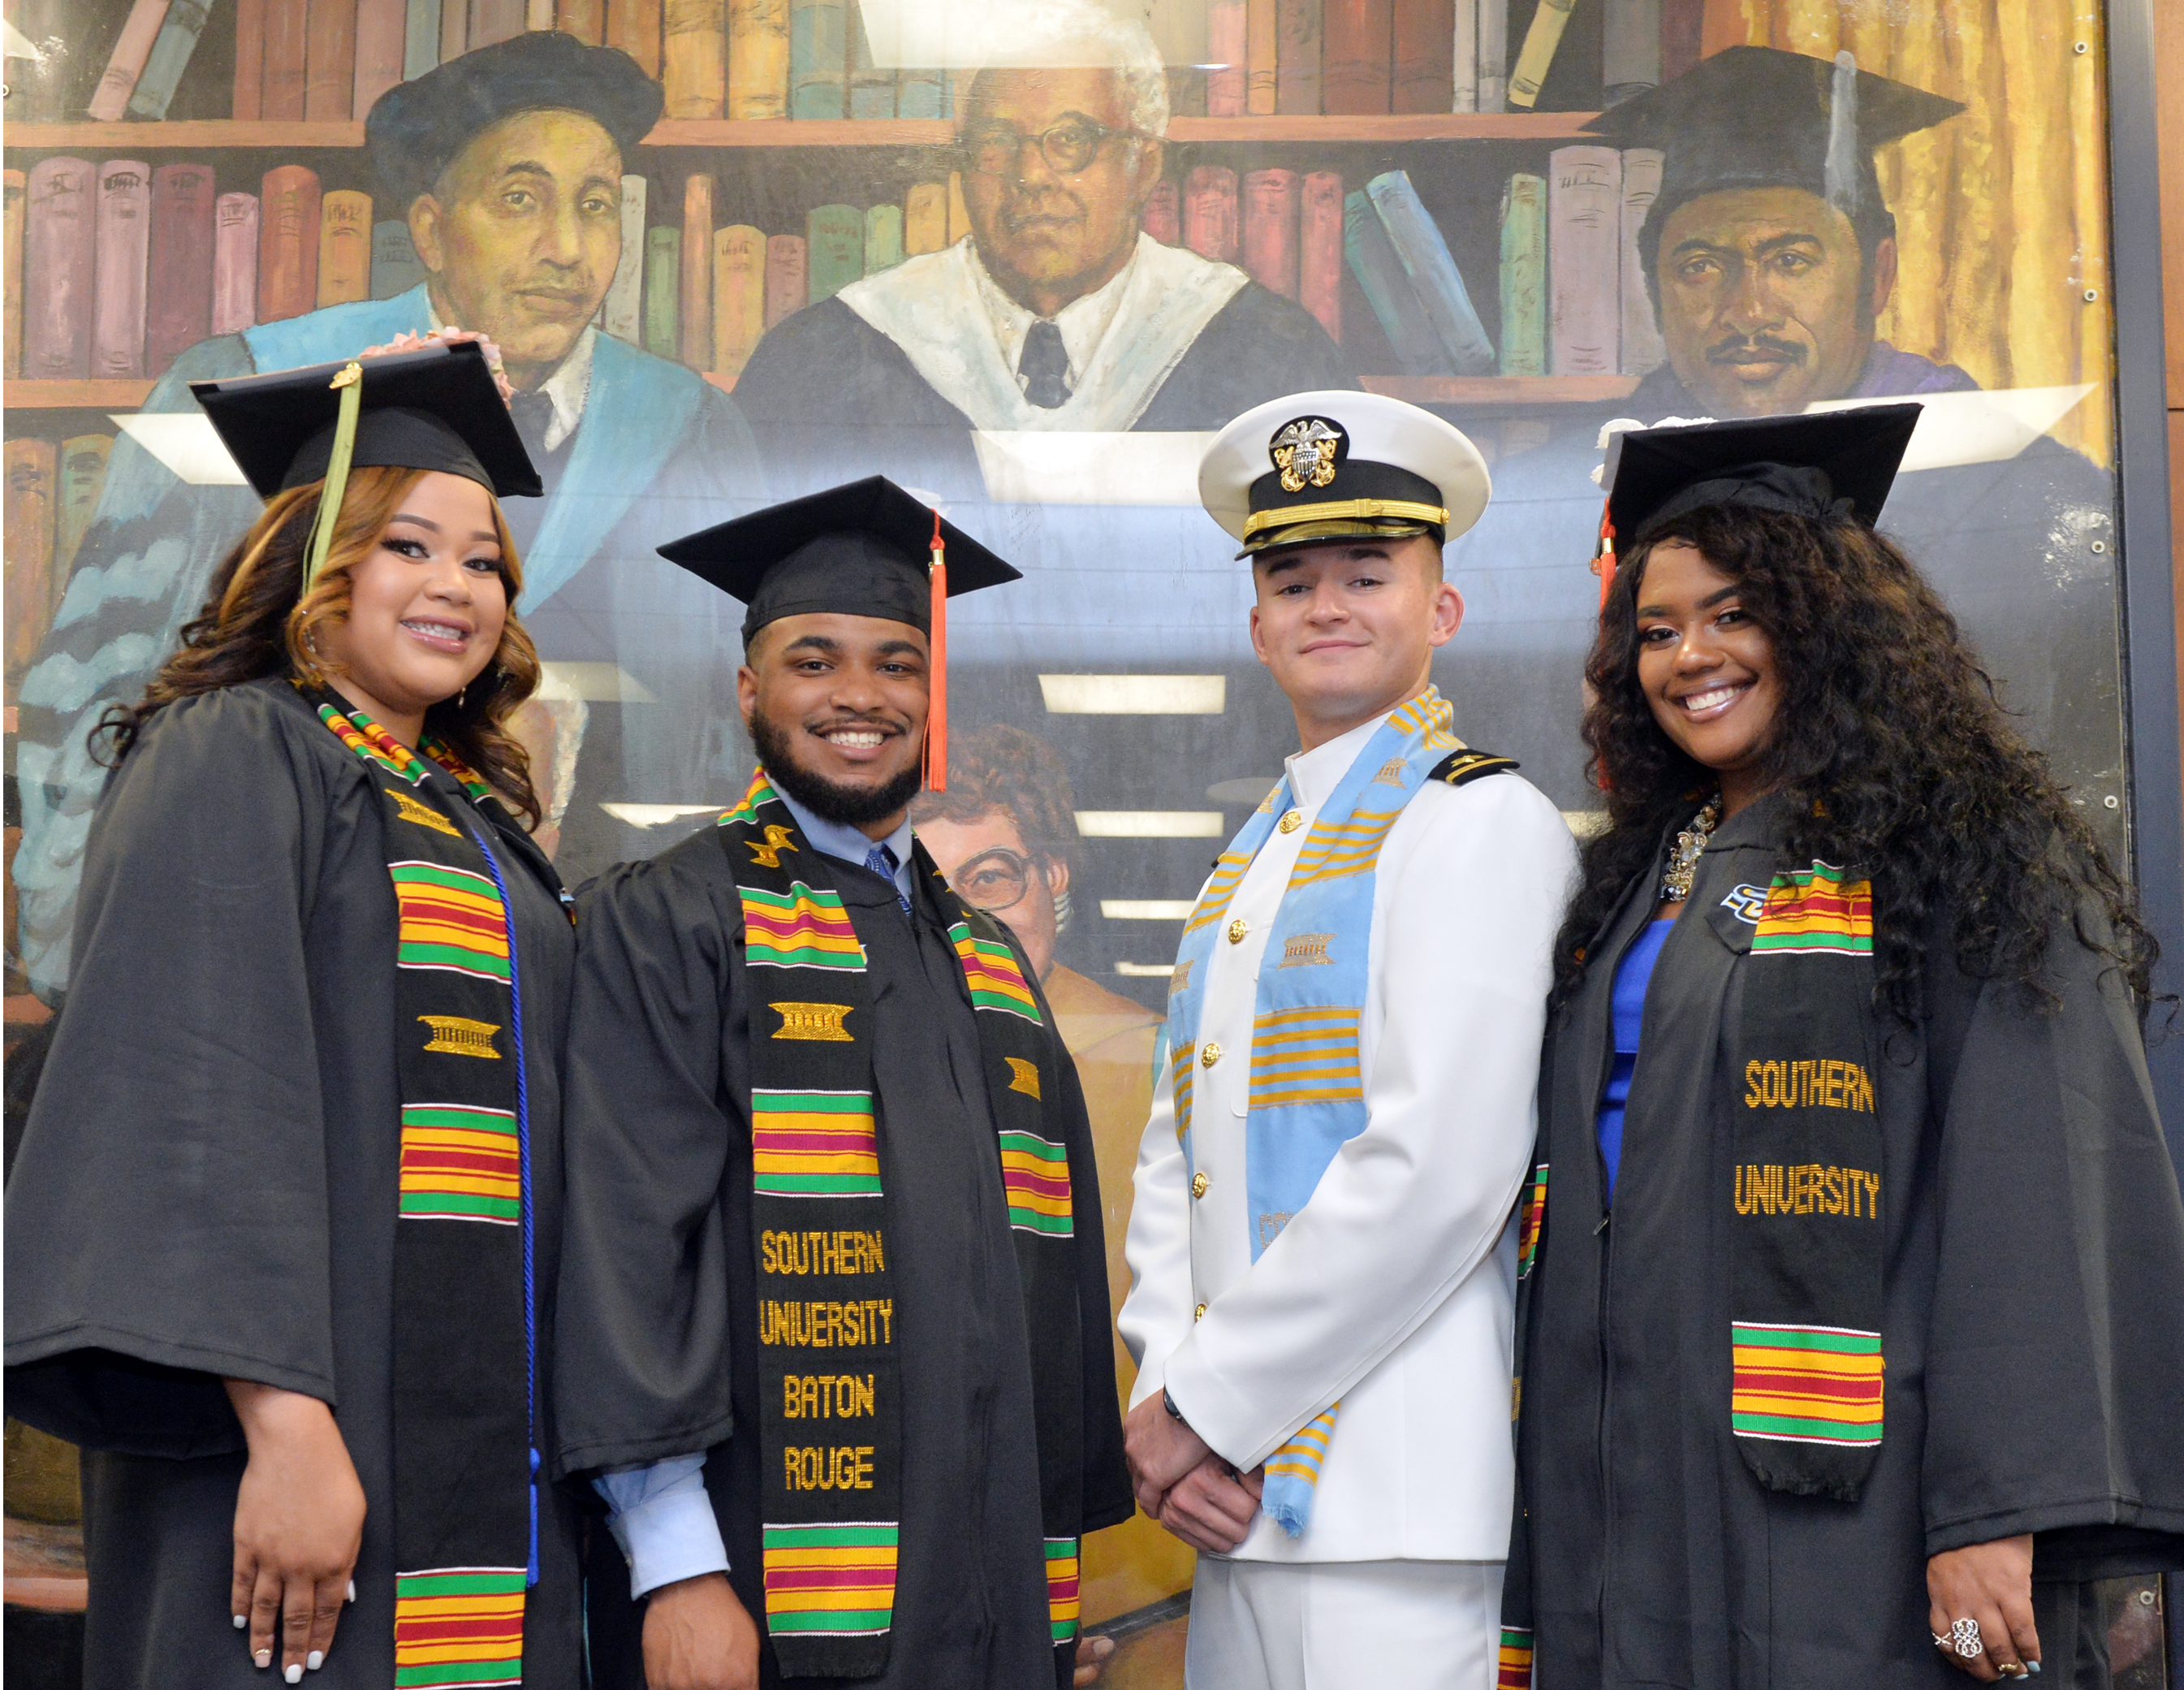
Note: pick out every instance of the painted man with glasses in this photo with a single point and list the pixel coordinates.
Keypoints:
(1057, 312)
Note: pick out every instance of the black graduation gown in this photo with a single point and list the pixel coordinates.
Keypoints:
(2033, 1264)
(659, 1291)
(207, 1184)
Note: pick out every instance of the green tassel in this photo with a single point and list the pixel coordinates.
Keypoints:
(350, 383)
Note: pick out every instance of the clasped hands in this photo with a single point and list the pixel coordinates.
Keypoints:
(1182, 1483)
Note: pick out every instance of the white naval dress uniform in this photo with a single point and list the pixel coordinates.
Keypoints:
(1393, 1289)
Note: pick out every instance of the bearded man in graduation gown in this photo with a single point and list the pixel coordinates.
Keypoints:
(1058, 311)
(837, 1299)
(507, 166)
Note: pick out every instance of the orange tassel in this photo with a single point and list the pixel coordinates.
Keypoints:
(1603, 565)
(936, 715)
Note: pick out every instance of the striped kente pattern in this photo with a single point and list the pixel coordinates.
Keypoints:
(830, 1581)
(991, 972)
(761, 791)
(1429, 713)
(1529, 1218)
(458, 1626)
(450, 919)
(1815, 911)
(374, 744)
(1513, 1669)
(1035, 1175)
(1213, 903)
(1806, 1384)
(814, 1144)
(806, 928)
(1348, 846)
(1305, 1056)
(461, 1162)
(1061, 1600)
(1300, 1458)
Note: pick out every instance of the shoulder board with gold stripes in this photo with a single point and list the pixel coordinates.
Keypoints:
(1460, 768)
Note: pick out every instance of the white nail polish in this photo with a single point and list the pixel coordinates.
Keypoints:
(241, 1621)
(316, 1660)
(294, 1675)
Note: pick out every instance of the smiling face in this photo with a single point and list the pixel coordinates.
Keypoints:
(1050, 238)
(836, 704)
(426, 605)
(1349, 626)
(522, 234)
(1766, 305)
(1707, 669)
(986, 861)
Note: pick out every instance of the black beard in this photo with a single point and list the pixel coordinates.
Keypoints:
(847, 806)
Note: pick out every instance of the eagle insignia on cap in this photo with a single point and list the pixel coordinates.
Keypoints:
(1305, 452)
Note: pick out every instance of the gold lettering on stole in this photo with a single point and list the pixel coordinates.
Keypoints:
(1306, 949)
(821, 1325)
(459, 1036)
(826, 1396)
(846, 1467)
(408, 809)
(836, 1253)
(820, 1022)
(1023, 1075)
(1806, 1188)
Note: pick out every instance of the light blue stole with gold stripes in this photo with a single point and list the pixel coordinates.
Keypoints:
(1306, 1097)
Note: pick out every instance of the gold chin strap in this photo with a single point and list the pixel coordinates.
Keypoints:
(1407, 509)
(350, 384)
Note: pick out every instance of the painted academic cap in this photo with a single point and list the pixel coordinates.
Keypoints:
(1759, 117)
(416, 129)
(436, 408)
(867, 549)
(1336, 464)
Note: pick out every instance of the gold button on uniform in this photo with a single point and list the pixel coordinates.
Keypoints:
(1290, 822)
(1199, 1182)
(1209, 1056)
(1237, 929)
(1199, 1313)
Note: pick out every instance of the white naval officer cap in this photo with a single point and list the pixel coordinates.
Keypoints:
(1335, 464)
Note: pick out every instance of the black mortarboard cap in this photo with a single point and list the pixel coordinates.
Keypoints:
(416, 128)
(437, 408)
(1760, 117)
(1823, 464)
(861, 550)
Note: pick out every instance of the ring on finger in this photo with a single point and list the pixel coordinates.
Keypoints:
(1965, 1638)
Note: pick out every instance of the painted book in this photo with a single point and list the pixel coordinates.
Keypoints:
(1357, 39)
(1227, 42)
(1431, 268)
(1537, 55)
(1262, 34)
(395, 267)
(287, 244)
(632, 25)
(695, 295)
(1629, 48)
(586, 19)
(344, 246)
(925, 218)
(958, 214)
(818, 58)
(834, 249)
(109, 100)
(178, 287)
(1271, 200)
(1209, 212)
(421, 36)
(882, 238)
(1387, 290)
(285, 24)
(81, 475)
(738, 295)
(1643, 349)
(124, 252)
(1464, 61)
(786, 281)
(1585, 261)
(1493, 55)
(758, 58)
(1525, 276)
(455, 33)
(382, 44)
(871, 86)
(1319, 249)
(921, 93)
(492, 20)
(694, 59)
(170, 56)
(26, 516)
(663, 283)
(621, 313)
(329, 58)
(60, 267)
(1424, 56)
(249, 60)
(18, 207)
(37, 89)
(1683, 32)
(234, 263)
(1297, 57)
(1163, 216)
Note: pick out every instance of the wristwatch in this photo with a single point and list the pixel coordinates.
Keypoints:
(1173, 1413)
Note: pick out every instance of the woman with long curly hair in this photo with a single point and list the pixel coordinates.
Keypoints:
(1849, 1179)
(291, 1179)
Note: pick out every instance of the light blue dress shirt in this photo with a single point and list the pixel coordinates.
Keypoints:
(659, 1513)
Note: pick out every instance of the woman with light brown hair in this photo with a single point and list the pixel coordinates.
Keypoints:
(291, 1178)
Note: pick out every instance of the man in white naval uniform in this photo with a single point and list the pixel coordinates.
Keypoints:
(1323, 1398)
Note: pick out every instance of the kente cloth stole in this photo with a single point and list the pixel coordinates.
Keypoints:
(465, 1456)
(1805, 1234)
(1307, 1098)
(831, 1451)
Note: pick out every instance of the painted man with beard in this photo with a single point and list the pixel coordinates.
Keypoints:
(836, 1304)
